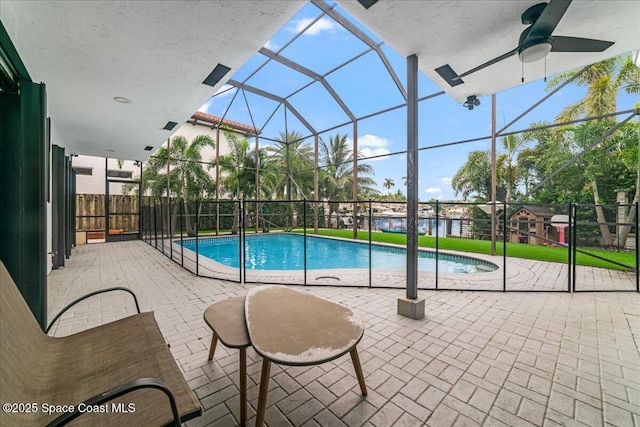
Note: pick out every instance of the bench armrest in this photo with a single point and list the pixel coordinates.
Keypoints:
(135, 299)
(117, 392)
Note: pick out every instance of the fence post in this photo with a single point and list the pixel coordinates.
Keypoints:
(169, 226)
(162, 224)
(181, 233)
(574, 244)
(304, 237)
(370, 226)
(238, 206)
(437, 239)
(637, 250)
(197, 228)
(504, 246)
(568, 241)
(155, 225)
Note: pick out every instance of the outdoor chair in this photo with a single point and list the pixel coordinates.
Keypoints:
(118, 374)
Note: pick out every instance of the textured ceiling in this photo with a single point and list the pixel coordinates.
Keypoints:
(157, 53)
(465, 34)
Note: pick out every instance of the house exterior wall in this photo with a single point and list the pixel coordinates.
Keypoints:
(95, 183)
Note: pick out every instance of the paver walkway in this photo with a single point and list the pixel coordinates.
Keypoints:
(478, 358)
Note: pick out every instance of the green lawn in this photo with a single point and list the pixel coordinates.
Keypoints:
(516, 250)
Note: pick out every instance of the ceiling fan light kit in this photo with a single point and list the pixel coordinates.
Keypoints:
(535, 52)
(535, 42)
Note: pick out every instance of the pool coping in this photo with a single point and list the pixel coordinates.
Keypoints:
(492, 280)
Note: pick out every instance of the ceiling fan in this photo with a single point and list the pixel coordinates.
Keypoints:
(536, 41)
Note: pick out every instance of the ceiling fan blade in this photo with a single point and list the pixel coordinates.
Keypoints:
(577, 44)
(449, 76)
(488, 63)
(548, 20)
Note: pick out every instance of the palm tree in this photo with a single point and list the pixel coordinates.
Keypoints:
(292, 156)
(511, 172)
(188, 178)
(238, 169)
(603, 81)
(474, 176)
(388, 184)
(337, 182)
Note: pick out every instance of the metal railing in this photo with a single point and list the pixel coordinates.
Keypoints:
(196, 234)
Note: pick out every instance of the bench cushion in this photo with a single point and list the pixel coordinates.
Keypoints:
(67, 370)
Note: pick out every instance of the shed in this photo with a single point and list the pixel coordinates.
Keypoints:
(530, 221)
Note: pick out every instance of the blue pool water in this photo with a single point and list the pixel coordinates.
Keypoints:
(286, 252)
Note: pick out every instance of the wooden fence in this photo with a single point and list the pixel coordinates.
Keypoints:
(123, 210)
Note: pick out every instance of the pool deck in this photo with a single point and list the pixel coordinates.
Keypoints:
(477, 358)
(519, 274)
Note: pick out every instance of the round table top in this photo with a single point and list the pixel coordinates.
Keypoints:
(291, 327)
(226, 319)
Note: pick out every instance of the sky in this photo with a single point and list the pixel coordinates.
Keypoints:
(366, 88)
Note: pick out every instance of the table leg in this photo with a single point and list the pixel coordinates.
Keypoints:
(243, 386)
(214, 342)
(264, 388)
(356, 364)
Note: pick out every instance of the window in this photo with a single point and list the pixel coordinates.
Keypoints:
(83, 171)
(119, 174)
(523, 224)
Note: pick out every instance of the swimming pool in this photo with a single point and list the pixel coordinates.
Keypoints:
(281, 251)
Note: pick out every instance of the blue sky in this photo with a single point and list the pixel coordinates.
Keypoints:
(366, 87)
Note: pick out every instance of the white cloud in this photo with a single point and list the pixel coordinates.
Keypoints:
(432, 190)
(271, 46)
(368, 152)
(205, 107)
(379, 146)
(323, 24)
(446, 180)
(372, 141)
(227, 89)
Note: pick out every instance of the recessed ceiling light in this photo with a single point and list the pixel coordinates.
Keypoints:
(170, 125)
(122, 99)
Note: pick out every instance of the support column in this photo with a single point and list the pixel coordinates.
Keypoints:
(494, 175)
(257, 196)
(169, 187)
(218, 177)
(316, 185)
(411, 306)
(354, 214)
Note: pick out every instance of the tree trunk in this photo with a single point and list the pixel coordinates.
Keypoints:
(191, 227)
(234, 226)
(630, 218)
(607, 240)
(174, 219)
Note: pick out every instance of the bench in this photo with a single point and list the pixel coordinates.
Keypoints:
(120, 373)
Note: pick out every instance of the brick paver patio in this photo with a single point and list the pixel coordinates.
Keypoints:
(478, 358)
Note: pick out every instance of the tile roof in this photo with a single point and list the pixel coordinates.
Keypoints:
(204, 117)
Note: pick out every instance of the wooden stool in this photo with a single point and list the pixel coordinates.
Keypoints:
(227, 321)
(317, 331)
